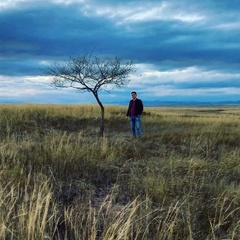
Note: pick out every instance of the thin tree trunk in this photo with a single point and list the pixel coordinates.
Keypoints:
(102, 115)
(102, 121)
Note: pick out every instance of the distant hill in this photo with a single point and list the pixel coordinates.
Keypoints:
(183, 103)
(9, 101)
(148, 103)
(189, 103)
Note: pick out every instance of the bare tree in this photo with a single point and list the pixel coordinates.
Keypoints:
(92, 74)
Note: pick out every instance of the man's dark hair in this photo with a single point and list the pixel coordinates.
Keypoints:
(133, 92)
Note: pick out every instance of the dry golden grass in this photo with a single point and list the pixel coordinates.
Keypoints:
(59, 180)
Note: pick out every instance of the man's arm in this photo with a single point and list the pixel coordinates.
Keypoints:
(140, 107)
(128, 111)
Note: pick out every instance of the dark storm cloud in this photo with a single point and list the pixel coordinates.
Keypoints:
(206, 85)
(185, 44)
(51, 30)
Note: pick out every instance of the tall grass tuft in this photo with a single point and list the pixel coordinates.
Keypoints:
(59, 180)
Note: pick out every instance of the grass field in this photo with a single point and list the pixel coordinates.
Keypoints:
(59, 180)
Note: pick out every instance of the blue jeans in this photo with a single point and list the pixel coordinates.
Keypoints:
(135, 123)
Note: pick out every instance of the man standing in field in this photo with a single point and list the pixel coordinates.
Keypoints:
(134, 112)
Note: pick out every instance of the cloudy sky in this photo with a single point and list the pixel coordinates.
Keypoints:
(186, 50)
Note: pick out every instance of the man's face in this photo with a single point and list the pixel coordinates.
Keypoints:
(134, 96)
